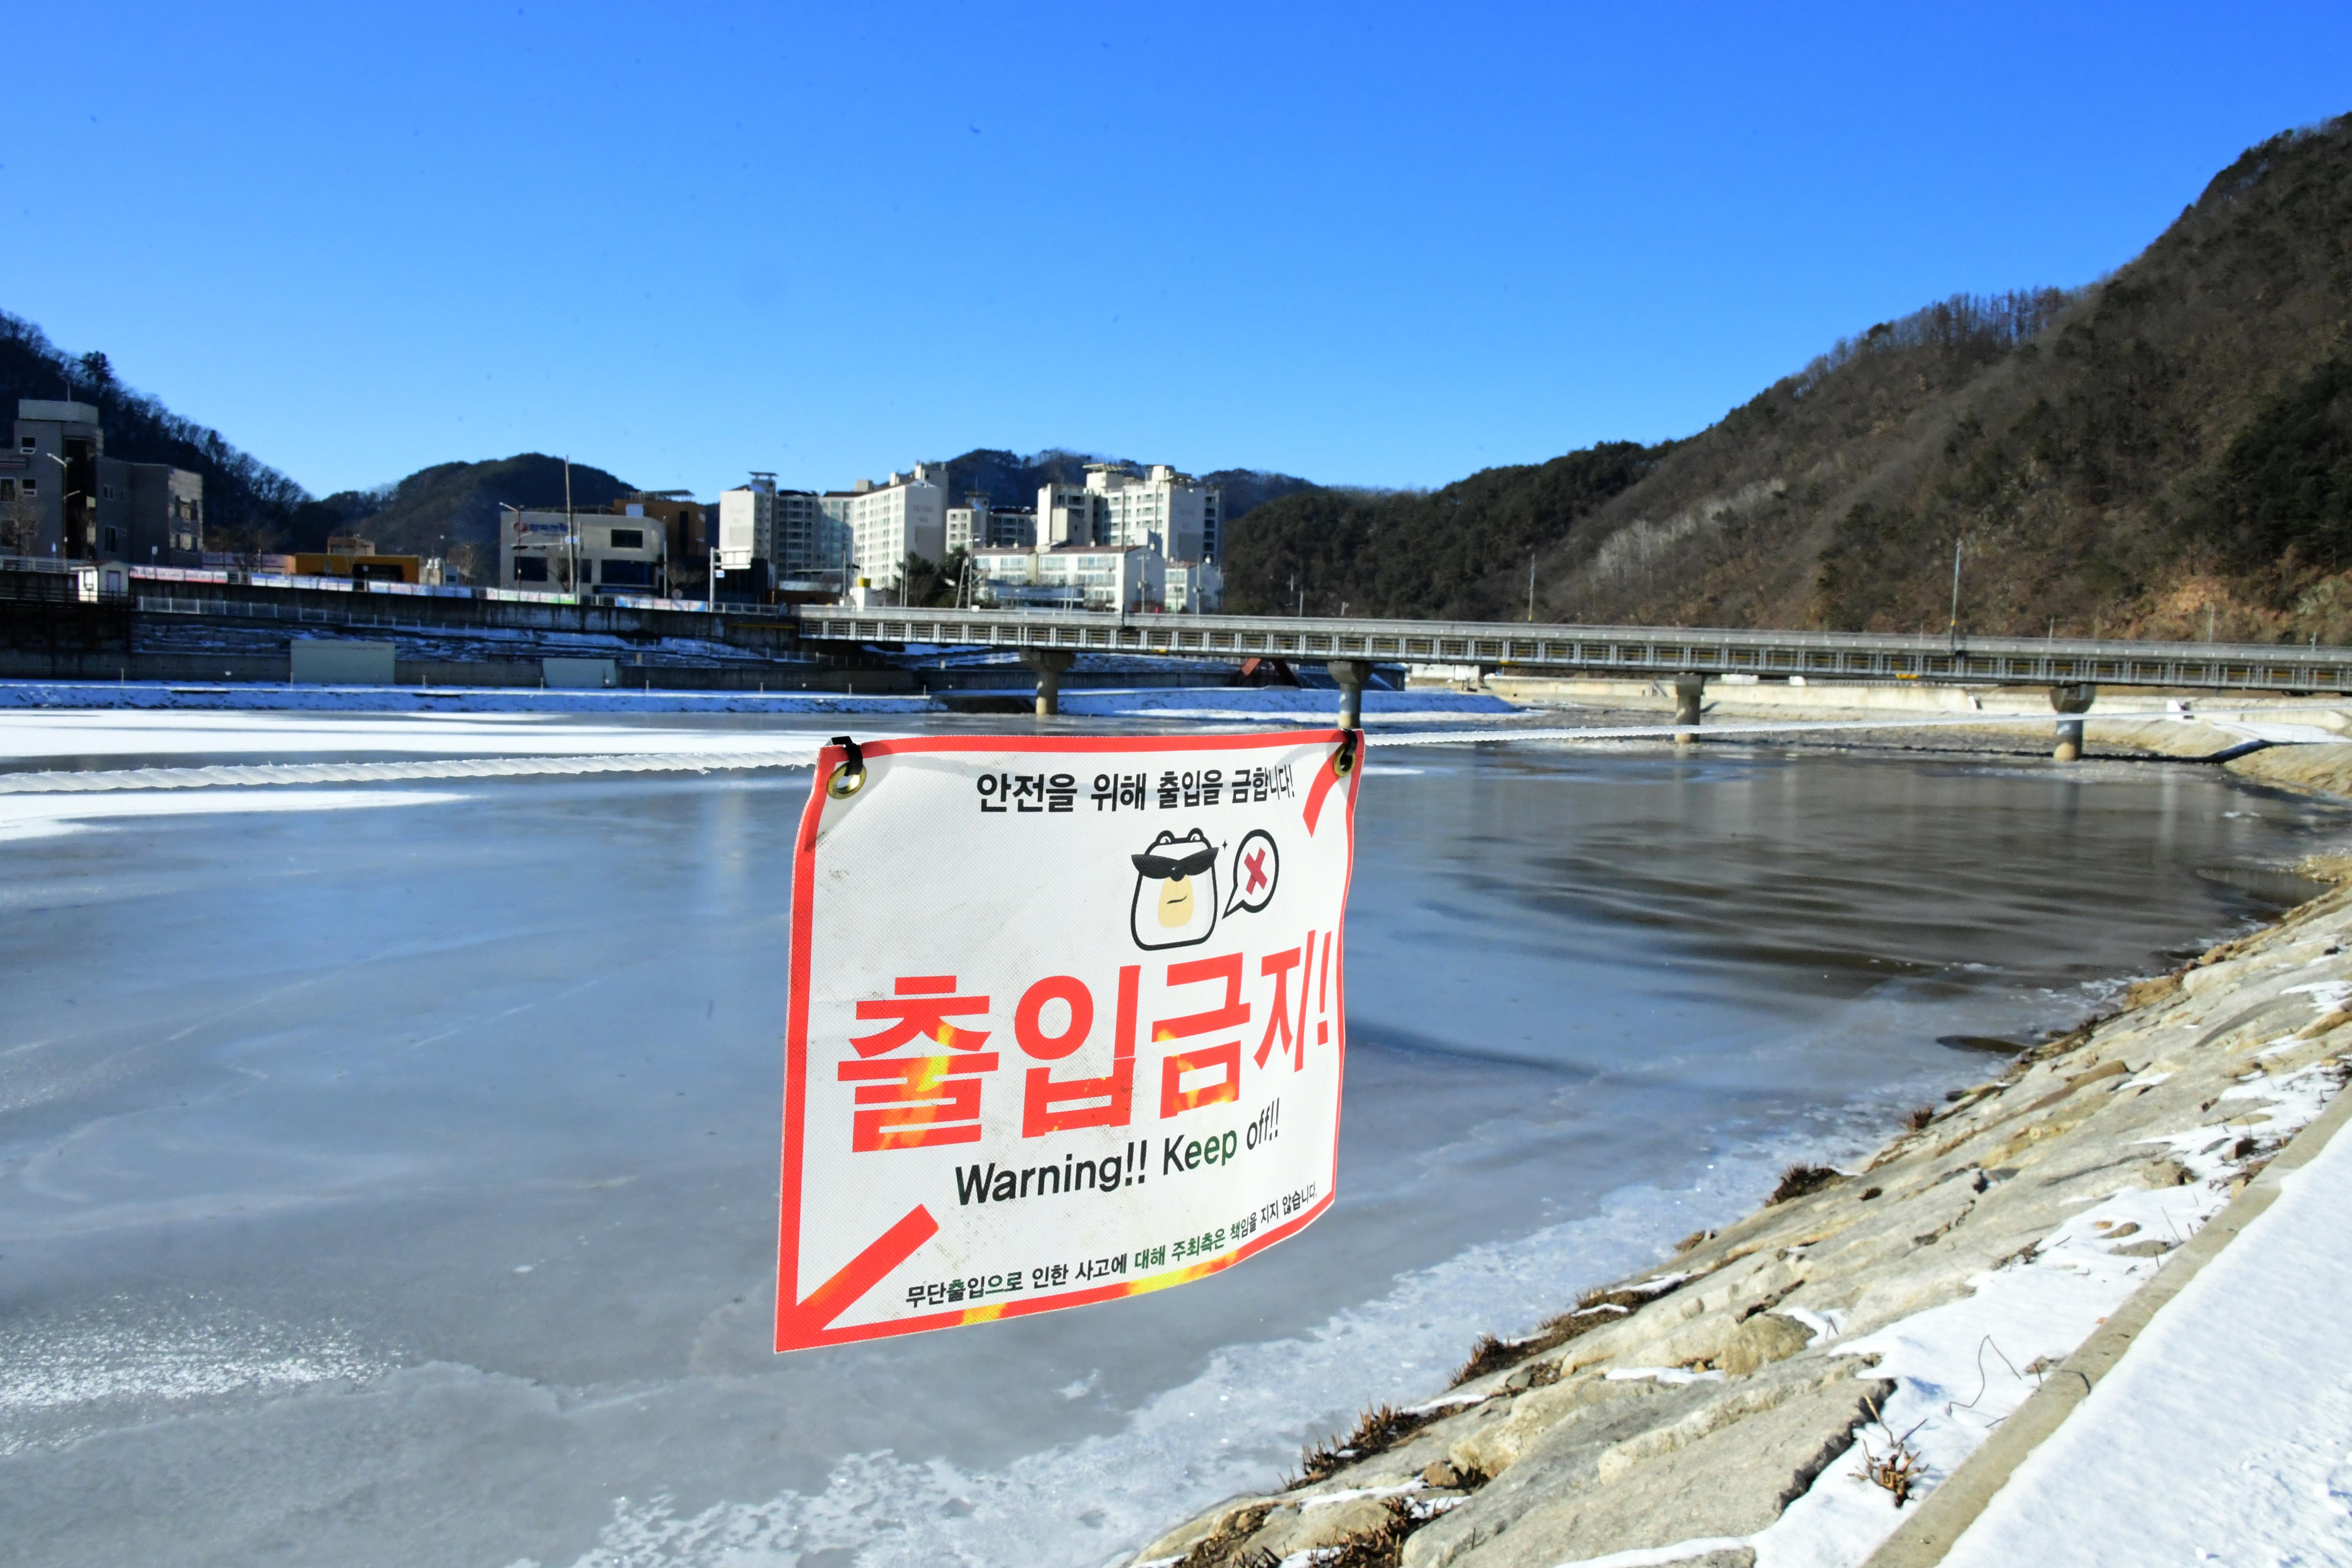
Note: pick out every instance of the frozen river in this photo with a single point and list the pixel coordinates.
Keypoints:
(387, 1172)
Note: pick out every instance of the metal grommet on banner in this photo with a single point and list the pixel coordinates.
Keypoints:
(1344, 761)
(850, 777)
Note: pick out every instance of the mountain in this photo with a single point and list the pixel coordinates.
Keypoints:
(453, 502)
(2167, 452)
(242, 495)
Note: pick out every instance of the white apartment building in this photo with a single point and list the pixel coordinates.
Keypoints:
(905, 515)
(1160, 508)
(789, 529)
(1072, 577)
(978, 525)
(1194, 588)
(747, 522)
(1071, 514)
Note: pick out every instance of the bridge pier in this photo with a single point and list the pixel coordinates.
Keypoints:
(1049, 663)
(1352, 674)
(1688, 688)
(2071, 702)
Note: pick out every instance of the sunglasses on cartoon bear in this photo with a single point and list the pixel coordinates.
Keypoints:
(1192, 865)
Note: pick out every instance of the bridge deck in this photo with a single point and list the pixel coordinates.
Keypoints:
(1590, 650)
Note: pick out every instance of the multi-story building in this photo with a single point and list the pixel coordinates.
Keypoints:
(684, 520)
(1160, 508)
(1194, 588)
(1072, 514)
(747, 522)
(20, 508)
(979, 525)
(904, 515)
(62, 496)
(807, 542)
(581, 552)
(1072, 577)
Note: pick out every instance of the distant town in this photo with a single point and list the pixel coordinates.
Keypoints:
(1127, 539)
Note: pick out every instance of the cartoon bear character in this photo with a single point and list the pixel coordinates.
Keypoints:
(1175, 891)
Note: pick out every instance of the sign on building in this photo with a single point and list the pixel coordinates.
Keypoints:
(1066, 1021)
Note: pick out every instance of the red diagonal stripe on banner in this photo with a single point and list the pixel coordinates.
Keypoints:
(1325, 777)
(800, 1325)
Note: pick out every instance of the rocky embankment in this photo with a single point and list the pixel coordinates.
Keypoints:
(1780, 1389)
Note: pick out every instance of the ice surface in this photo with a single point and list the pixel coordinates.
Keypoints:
(137, 695)
(42, 817)
(105, 738)
(399, 1186)
(1305, 704)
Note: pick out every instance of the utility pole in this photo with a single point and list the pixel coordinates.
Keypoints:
(1954, 629)
(571, 534)
(1531, 590)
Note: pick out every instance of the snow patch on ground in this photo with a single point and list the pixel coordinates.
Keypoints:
(1962, 1368)
(2225, 1434)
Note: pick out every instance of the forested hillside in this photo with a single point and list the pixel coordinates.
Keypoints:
(249, 505)
(2166, 452)
(452, 508)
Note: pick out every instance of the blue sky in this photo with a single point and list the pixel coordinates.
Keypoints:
(1373, 244)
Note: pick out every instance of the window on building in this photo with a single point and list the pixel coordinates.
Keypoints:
(628, 539)
(111, 540)
(628, 574)
(106, 492)
(26, 442)
(531, 568)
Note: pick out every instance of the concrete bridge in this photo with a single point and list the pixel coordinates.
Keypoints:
(2072, 668)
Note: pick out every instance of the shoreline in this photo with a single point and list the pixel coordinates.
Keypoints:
(1717, 1410)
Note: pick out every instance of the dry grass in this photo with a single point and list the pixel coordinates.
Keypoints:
(1380, 1427)
(1592, 1309)
(1487, 1354)
(1797, 1181)
(1895, 1470)
(1223, 1547)
(1919, 1117)
(1382, 1546)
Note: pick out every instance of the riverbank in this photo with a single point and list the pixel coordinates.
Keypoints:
(2294, 743)
(1779, 1391)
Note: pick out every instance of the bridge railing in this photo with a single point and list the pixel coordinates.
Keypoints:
(1634, 650)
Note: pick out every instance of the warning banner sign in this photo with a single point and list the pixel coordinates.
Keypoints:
(1066, 1021)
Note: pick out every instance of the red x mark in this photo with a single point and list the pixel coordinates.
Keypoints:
(1257, 864)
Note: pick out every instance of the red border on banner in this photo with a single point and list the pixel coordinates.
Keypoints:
(792, 1310)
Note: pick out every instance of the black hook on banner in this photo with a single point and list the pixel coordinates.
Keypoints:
(850, 777)
(1343, 762)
